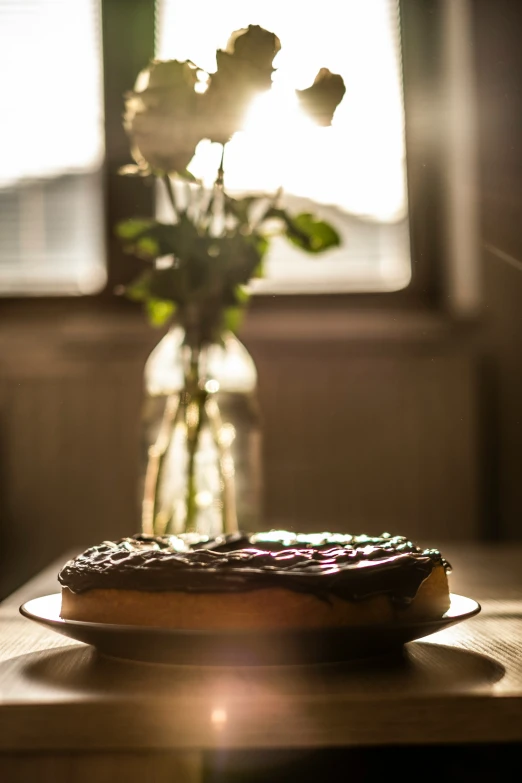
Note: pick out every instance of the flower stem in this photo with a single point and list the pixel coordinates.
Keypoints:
(188, 197)
(194, 418)
(226, 467)
(220, 181)
(152, 523)
(170, 193)
(190, 519)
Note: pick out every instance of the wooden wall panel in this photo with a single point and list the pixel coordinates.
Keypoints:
(69, 464)
(355, 437)
(499, 96)
(370, 443)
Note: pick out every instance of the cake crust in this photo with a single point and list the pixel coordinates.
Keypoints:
(272, 608)
(263, 581)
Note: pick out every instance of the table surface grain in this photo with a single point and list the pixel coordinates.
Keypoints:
(462, 685)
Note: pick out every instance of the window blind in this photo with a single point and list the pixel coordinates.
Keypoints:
(51, 138)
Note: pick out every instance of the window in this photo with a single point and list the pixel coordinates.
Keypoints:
(51, 137)
(52, 205)
(353, 173)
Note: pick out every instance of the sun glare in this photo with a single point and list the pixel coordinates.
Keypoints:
(270, 150)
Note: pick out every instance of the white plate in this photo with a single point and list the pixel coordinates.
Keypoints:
(168, 645)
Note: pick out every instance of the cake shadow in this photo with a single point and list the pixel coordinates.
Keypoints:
(425, 667)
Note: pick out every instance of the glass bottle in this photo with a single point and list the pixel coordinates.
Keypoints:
(201, 439)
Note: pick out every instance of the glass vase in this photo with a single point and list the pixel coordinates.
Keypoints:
(201, 439)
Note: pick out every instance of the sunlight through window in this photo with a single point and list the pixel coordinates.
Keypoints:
(354, 172)
(51, 136)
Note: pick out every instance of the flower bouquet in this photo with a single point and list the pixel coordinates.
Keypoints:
(197, 266)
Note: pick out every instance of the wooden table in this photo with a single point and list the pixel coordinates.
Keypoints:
(74, 717)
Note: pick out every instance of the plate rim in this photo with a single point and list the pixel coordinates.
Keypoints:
(435, 624)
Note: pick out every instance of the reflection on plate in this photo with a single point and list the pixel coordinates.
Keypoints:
(212, 648)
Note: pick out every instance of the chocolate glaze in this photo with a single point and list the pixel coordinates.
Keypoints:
(350, 567)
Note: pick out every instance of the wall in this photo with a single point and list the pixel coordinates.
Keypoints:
(370, 427)
(499, 77)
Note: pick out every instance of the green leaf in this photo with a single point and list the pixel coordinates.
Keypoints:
(168, 284)
(320, 235)
(146, 247)
(240, 207)
(164, 284)
(306, 231)
(239, 296)
(261, 244)
(239, 257)
(232, 318)
(139, 289)
(142, 290)
(130, 229)
(149, 239)
(178, 239)
(187, 175)
(159, 311)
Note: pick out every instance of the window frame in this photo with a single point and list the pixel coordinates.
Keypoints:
(421, 44)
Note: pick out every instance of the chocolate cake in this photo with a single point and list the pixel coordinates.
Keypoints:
(271, 580)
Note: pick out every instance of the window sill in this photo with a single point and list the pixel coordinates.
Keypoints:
(352, 325)
(33, 331)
